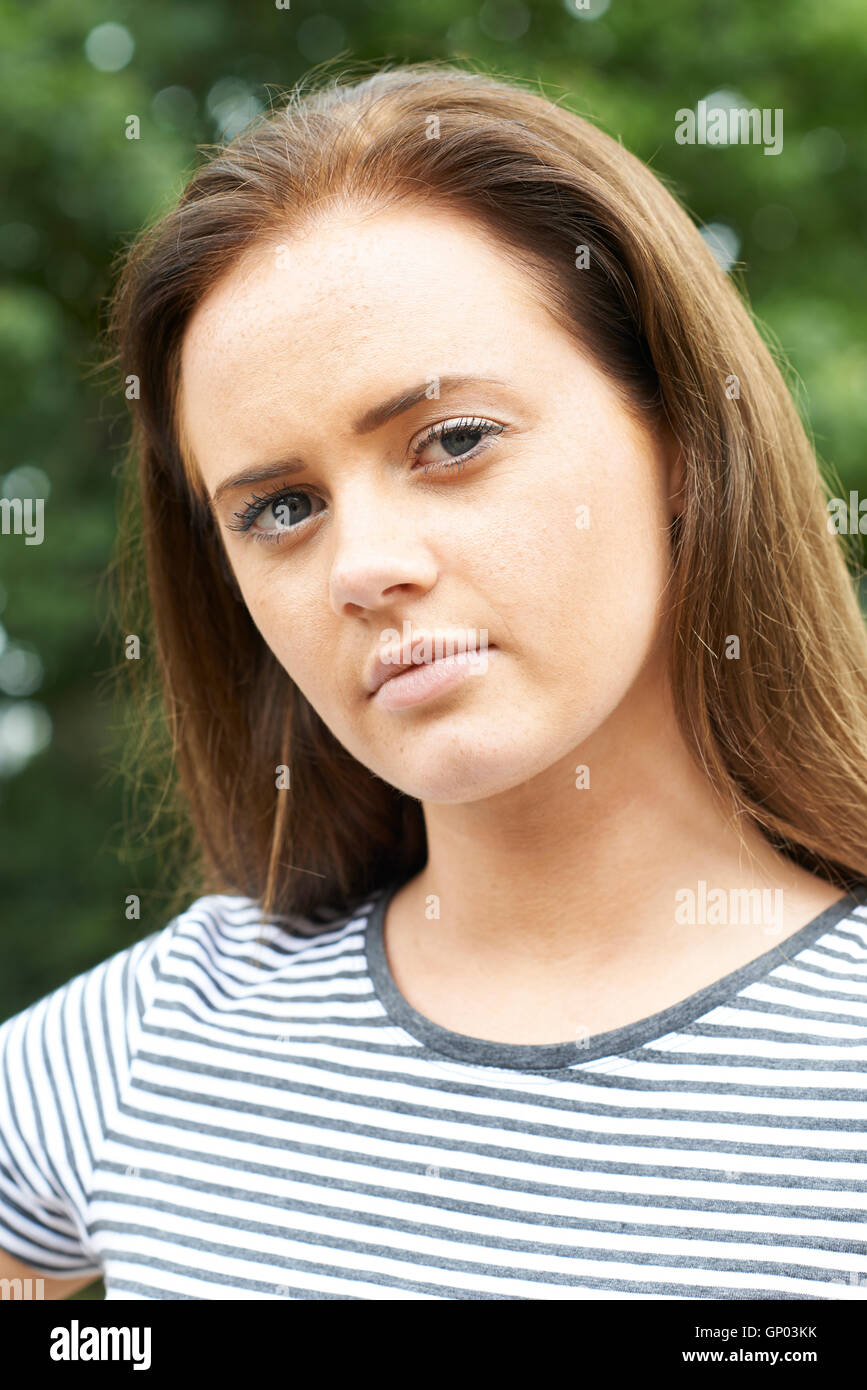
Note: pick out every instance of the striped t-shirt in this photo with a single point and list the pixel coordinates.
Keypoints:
(236, 1110)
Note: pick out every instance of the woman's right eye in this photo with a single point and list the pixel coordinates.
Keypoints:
(268, 518)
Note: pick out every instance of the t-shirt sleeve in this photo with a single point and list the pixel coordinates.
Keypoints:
(64, 1064)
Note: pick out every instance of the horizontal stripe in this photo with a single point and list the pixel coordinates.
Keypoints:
(230, 1109)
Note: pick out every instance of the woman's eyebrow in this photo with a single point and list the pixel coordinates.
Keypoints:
(371, 420)
(379, 415)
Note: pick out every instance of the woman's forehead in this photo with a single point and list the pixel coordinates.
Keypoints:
(408, 302)
(362, 275)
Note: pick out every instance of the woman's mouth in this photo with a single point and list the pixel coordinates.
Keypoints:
(436, 667)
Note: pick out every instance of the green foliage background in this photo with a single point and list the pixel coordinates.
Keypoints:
(76, 190)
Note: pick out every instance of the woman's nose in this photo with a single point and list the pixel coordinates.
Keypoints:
(371, 570)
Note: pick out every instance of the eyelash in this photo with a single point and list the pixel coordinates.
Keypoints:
(255, 505)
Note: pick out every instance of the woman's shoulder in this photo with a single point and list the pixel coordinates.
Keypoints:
(214, 935)
(226, 940)
(237, 925)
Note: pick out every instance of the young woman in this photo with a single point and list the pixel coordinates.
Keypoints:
(516, 687)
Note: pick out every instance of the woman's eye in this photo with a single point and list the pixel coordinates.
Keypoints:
(273, 517)
(292, 509)
(268, 518)
(458, 441)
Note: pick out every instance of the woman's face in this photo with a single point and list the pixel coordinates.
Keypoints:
(316, 377)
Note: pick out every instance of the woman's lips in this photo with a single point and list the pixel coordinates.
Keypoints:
(418, 683)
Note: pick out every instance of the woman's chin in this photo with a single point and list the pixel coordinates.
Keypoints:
(469, 754)
(457, 774)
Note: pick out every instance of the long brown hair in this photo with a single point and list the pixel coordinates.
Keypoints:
(781, 731)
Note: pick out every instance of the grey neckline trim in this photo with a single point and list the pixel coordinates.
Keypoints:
(617, 1041)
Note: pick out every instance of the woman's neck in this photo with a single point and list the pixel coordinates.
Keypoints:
(550, 905)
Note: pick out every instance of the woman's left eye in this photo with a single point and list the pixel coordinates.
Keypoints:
(460, 439)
